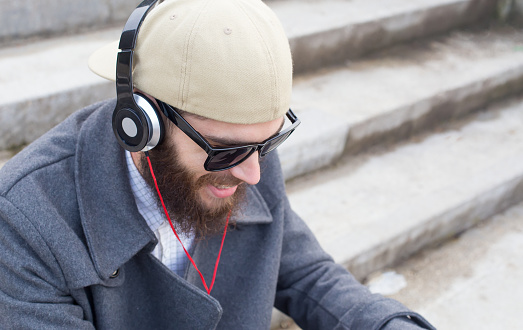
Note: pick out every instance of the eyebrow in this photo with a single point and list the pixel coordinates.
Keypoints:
(235, 143)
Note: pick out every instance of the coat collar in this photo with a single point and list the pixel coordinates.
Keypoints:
(114, 229)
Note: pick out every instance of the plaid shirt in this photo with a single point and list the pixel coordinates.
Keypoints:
(168, 250)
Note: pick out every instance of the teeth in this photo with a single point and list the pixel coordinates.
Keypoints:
(223, 187)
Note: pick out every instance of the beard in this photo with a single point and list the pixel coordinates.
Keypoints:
(181, 193)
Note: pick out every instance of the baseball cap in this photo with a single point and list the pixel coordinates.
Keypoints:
(228, 60)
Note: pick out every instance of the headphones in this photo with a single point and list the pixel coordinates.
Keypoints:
(137, 123)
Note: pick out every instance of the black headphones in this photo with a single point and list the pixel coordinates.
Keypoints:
(137, 123)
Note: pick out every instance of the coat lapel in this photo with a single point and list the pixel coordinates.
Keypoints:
(254, 210)
(114, 229)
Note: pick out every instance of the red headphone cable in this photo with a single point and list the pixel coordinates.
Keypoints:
(208, 289)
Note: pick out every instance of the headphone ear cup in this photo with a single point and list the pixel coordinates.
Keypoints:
(138, 128)
(154, 120)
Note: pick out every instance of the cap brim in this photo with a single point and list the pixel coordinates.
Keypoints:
(103, 61)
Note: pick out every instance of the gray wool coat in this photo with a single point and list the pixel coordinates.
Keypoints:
(75, 251)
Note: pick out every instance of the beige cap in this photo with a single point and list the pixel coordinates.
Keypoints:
(227, 60)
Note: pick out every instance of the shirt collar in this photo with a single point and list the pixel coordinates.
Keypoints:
(144, 196)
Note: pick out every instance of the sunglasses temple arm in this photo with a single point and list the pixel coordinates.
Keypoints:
(183, 125)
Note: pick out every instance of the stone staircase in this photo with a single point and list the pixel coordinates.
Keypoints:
(412, 127)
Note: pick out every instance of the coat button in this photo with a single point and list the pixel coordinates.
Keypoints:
(115, 274)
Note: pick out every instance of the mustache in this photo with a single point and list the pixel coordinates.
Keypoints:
(217, 179)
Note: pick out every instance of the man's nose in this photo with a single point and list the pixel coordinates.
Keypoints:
(249, 170)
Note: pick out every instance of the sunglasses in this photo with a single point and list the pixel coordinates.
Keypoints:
(220, 159)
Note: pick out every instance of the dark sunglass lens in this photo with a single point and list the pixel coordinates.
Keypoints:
(274, 143)
(226, 158)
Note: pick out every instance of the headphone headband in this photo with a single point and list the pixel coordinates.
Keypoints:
(124, 64)
(133, 24)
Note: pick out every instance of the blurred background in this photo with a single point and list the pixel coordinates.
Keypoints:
(408, 165)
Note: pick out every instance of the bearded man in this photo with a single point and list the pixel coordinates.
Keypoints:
(128, 233)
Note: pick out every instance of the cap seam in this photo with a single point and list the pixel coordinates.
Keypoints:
(185, 82)
(191, 45)
(275, 97)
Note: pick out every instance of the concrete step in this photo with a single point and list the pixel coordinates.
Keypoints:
(21, 20)
(43, 82)
(398, 93)
(369, 211)
(372, 211)
(453, 285)
(331, 31)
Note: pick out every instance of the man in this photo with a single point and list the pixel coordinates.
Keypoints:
(187, 226)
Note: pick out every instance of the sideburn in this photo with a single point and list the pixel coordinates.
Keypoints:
(180, 192)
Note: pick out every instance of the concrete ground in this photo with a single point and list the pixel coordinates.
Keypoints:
(472, 282)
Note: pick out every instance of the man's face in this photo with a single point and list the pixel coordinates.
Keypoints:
(197, 199)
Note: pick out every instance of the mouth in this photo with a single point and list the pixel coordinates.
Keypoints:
(222, 191)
